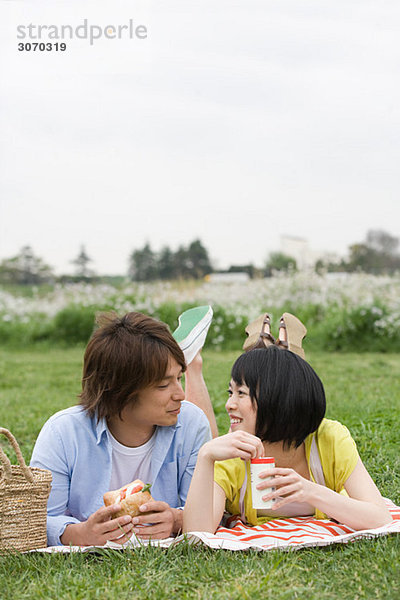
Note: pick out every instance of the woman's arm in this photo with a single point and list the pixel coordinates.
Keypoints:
(206, 499)
(363, 509)
(362, 489)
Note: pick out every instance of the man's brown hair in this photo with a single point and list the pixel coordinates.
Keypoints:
(124, 356)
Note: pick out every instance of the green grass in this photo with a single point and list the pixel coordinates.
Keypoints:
(362, 391)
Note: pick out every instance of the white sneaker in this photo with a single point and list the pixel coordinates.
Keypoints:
(192, 330)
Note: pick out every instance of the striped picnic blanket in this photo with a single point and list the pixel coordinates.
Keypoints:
(284, 534)
(291, 533)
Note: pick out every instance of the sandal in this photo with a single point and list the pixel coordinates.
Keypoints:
(291, 334)
(282, 335)
(259, 333)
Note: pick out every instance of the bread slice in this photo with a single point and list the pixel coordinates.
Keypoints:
(130, 502)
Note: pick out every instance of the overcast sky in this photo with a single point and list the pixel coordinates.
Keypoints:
(232, 122)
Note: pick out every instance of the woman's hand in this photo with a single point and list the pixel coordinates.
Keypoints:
(289, 486)
(99, 529)
(239, 444)
(364, 508)
(158, 521)
(206, 499)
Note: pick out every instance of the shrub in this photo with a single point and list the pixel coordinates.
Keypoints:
(24, 331)
(362, 329)
(74, 324)
(347, 312)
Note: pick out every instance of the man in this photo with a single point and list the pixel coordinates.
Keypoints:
(132, 423)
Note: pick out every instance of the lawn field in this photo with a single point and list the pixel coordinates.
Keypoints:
(363, 391)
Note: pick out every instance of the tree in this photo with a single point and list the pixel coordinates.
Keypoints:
(250, 269)
(198, 260)
(25, 269)
(192, 261)
(81, 263)
(382, 242)
(278, 261)
(166, 264)
(182, 264)
(378, 254)
(143, 264)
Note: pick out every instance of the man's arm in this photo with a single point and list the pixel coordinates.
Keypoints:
(49, 453)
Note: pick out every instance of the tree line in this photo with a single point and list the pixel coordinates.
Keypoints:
(190, 261)
(377, 254)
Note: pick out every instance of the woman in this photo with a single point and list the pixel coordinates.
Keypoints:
(132, 423)
(276, 406)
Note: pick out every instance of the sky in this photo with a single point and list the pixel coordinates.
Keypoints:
(232, 122)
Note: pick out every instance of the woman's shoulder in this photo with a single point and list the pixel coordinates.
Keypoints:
(338, 452)
(331, 429)
(333, 439)
(330, 435)
(234, 466)
(229, 474)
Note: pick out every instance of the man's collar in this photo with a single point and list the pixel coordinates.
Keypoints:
(101, 428)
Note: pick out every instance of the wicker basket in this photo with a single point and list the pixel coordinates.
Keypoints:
(24, 492)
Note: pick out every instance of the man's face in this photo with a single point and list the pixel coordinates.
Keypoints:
(159, 404)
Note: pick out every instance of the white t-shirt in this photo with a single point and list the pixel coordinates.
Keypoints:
(129, 464)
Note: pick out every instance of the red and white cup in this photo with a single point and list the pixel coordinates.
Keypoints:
(257, 466)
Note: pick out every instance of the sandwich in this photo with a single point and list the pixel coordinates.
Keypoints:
(130, 497)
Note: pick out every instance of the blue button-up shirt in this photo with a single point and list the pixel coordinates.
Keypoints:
(77, 450)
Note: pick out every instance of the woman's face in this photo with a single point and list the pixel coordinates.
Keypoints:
(241, 410)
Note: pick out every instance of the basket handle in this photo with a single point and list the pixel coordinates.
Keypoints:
(6, 462)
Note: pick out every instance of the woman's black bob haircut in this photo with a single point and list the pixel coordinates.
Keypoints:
(289, 395)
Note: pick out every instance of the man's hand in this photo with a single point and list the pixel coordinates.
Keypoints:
(99, 529)
(158, 521)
